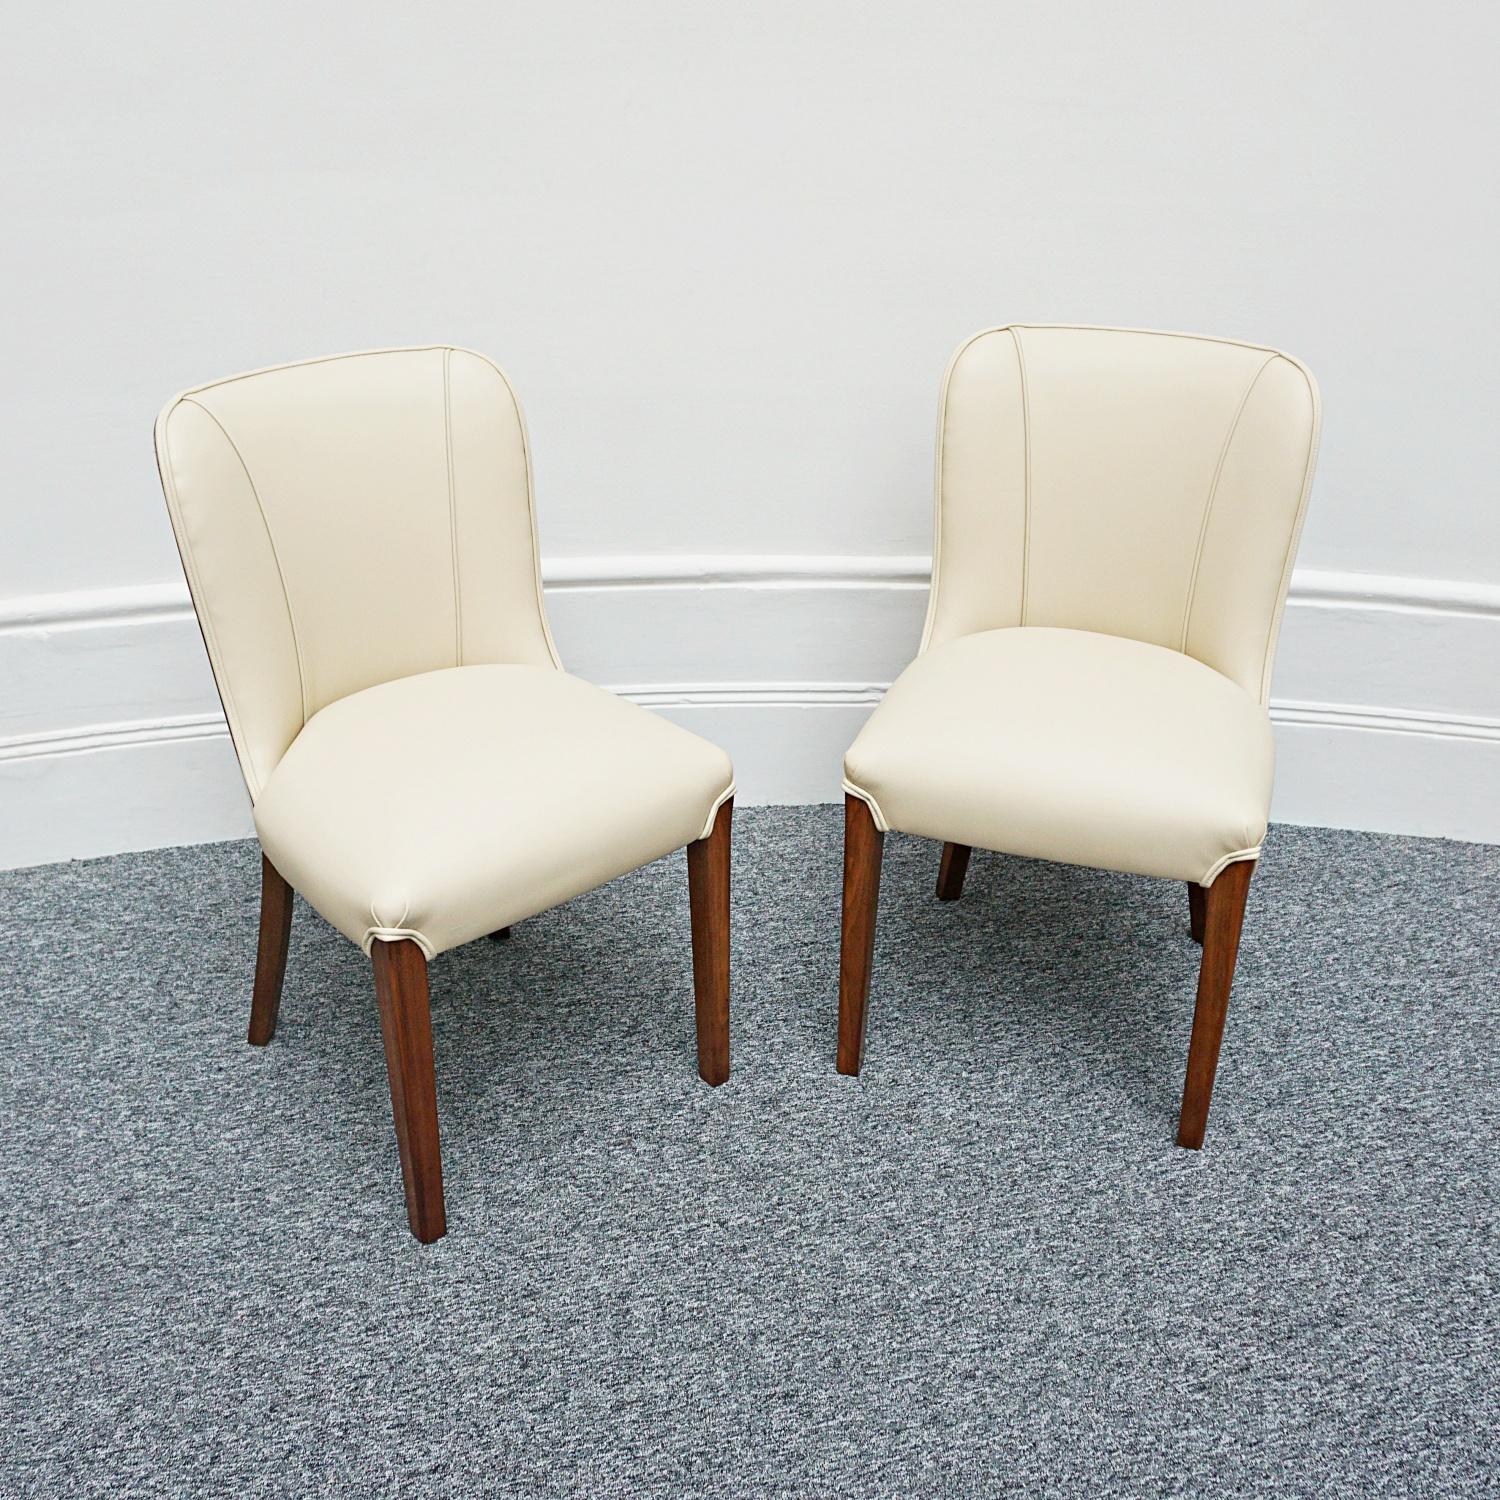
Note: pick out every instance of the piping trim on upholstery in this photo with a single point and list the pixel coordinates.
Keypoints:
(1213, 494)
(205, 623)
(375, 935)
(713, 811)
(326, 359)
(937, 485)
(317, 359)
(881, 822)
(1291, 547)
(1203, 338)
(536, 553)
(1158, 333)
(286, 596)
(1218, 869)
(1015, 335)
(458, 607)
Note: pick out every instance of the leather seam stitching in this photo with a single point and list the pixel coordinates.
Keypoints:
(458, 611)
(1213, 495)
(286, 597)
(1026, 447)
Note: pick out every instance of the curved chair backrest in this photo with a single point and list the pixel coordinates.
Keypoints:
(1138, 484)
(347, 521)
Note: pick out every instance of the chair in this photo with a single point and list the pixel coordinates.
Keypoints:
(358, 537)
(1117, 514)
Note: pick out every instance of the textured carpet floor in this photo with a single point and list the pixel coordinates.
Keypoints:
(981, 1268)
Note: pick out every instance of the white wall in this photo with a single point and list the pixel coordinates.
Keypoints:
(724, 251)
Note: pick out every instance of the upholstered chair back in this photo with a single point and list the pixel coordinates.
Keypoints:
(1136, 484)
(348, 521)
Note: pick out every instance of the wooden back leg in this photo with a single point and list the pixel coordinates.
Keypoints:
(406, 1023)
(270, 953)
(864, 845)
(951, 872)
(708, 899)
(1223, 916)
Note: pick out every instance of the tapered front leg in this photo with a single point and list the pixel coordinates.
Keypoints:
(708, 898)
(863, 846)
(406, 1022)
(951, 872)
(270, 953)
(1223, 916)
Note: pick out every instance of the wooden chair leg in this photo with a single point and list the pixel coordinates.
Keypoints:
(405, 1020)
(708, 899)
(500, 935)
(270, 953)
(1224, 913)
(1197, 905)
(951, 872)
(863, 846)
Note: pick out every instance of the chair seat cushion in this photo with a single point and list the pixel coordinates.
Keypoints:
(443, 806)
(1072, 746)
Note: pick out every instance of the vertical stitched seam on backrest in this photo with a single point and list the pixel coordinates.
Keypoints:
(1026, 452)
(286, 596)
(458, 618)
(1208, 504)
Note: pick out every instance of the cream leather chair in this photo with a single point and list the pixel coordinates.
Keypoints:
(358, 537)
(1117, 514)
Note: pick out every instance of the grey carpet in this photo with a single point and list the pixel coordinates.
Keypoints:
(982, 1268)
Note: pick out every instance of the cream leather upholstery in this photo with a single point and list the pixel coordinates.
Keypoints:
(1117, 515)
(358, 536)
(1066, 744)
(524, 786)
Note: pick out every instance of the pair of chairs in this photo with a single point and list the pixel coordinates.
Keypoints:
(1117, 514)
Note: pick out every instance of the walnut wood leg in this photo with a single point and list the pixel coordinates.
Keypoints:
(500, 935)
(951, 872)
(1197, 905)
(1224, 912)
(708, 898)
(863, 846)
(270, 953)
(405, 1020)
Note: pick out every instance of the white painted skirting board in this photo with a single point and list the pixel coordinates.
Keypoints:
(1387, 705)
(1310, 586)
